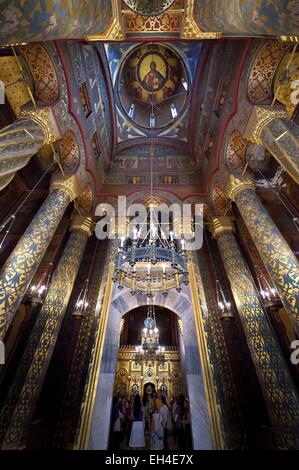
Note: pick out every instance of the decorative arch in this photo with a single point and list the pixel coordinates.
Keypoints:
(219, 201)
(43, 71)
(85, 200)
(69, 152)
(262, 71)
(235, 154)
(182, 305)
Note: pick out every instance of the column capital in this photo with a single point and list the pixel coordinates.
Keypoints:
(82, 222)
(68, 184)
(259, 118)
(236, 184)
(45, 119)
(221, 224)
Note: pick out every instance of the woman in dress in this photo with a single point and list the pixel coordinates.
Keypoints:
(137, 440)
(157, 430)
(116, 423)
(178, 422)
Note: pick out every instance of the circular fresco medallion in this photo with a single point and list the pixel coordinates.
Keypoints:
(153, 85)
(152, 73)
(149, 7)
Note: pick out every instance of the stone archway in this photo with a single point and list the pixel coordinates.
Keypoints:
(121, 303)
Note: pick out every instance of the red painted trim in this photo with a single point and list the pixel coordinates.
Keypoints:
(166, 142)
(229, 118)
(67, 77)
(194, 100)
(110, 93)
(157, 188)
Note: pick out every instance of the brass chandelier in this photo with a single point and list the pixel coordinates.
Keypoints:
(153, 262)
(152, 259)
(150, 350)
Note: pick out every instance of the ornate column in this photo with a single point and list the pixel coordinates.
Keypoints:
(52, 313)
(280, 261)
(22, 139)
(280, 395)
(70, 408)
(219, 358)
(18, 271)
(278, 134)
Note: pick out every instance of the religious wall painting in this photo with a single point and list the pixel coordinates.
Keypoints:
(149, 7)
(152, 73)
(48, 19)
(247, 16)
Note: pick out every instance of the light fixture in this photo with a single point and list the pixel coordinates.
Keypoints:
(37, 292)
(150, 350)
(268, 293)
(224, 307)
(81, 303)
(151, 260)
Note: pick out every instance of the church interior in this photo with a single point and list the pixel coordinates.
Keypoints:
(164, 102)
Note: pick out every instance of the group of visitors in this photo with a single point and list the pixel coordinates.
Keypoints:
(154, 415)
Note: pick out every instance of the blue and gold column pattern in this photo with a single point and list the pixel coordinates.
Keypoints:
(19, 269)
(22, 139)
(273, 129)
(281, 263)
(53, 310)
(278, 389)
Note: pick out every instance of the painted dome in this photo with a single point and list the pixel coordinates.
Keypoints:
(149, 7)
(153, 80)
(152, 72)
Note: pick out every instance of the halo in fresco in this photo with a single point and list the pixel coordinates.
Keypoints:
(152, 72)
(149, 7)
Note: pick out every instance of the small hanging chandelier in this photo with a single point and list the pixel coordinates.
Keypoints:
(81, 303)
(150, 350)
(269, 294)
(224, 307)
(38, 291)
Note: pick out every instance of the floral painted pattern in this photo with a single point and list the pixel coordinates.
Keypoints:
(38, 20)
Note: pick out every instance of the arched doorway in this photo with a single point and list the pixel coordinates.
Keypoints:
(194, 371)
(151, 378)
(166, 376)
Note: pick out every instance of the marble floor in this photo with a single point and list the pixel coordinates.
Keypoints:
(172, 442)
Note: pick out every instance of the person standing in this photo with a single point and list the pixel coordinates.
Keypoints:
(137, 440)
(165, 413)
(157, 430)
(178, 422)
(158, 401)
(187, 424)
(116, 423)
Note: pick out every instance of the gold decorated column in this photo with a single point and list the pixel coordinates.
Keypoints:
(280, 135)
(19, 269)
(44, 339)
(278, 258)
(22, 139)
(278, 389)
